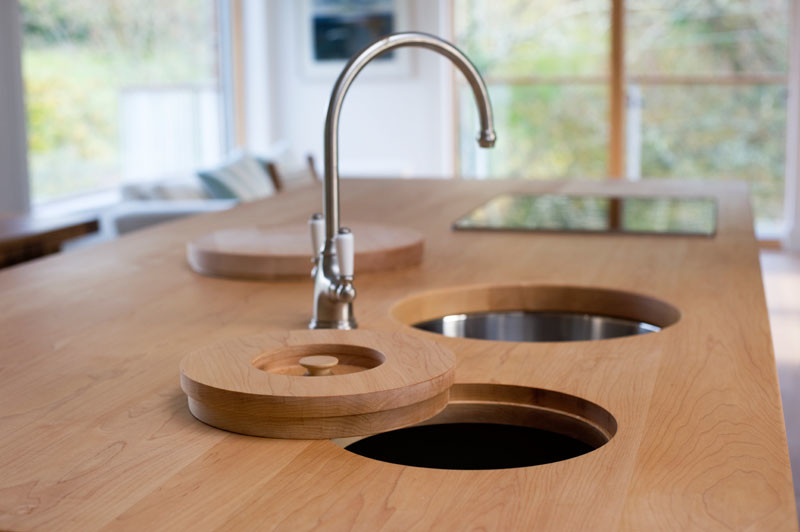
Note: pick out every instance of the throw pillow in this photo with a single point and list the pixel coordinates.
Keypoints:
(243, 179)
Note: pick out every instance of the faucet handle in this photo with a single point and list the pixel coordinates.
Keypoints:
(317, 225)
(345, 251)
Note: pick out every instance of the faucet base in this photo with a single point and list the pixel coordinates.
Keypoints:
(339, 324)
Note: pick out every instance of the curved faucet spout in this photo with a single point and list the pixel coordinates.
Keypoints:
(486, 136)
(333, 258)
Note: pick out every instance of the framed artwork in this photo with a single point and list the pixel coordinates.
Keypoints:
(332, 31)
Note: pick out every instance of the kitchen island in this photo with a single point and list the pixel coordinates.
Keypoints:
(95, 431)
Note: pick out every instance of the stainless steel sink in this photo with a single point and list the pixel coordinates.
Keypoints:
(538, 326)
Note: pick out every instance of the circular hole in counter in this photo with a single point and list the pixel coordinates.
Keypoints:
(535, 313)
(351, 358)
(491, 426)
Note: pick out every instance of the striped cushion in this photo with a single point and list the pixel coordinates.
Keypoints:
(243, 179)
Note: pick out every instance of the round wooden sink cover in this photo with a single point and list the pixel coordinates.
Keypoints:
(285, 251)
(242, 384)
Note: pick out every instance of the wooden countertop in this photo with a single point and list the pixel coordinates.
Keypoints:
(95, 431)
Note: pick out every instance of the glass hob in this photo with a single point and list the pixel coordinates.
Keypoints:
(594, 214)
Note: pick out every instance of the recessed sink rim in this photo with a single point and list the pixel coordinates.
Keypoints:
(490, 404)
(605, 308)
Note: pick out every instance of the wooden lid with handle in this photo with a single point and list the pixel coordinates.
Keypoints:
(318, 384)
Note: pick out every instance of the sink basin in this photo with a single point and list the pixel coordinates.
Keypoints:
(535, 313)
(494, 426)
(526, 326)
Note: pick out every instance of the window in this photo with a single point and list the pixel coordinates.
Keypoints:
(705, 90)
(119, 91)
(546, 63)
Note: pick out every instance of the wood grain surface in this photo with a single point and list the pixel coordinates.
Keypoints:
(95, 432)
(285, 251)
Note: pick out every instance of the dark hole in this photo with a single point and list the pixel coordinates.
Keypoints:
(469, 446)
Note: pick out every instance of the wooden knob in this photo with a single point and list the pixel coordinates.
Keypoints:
(319, 365)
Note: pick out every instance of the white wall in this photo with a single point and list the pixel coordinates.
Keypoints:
(791, 238)
(257, 87)
(14, 195)
(390, 125)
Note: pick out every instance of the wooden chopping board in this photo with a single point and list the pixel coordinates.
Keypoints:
(285, 251)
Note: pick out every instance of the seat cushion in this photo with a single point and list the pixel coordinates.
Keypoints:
(165, 189)
(132, 215)
(243, 179)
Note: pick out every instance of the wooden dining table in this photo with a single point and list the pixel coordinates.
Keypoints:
(26, 237)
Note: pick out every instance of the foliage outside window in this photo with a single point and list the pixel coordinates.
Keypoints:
(91, 69)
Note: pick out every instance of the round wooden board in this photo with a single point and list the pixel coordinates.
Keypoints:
(285, 251)
(227, 388)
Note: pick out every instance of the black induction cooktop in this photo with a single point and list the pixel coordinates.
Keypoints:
(594, 214)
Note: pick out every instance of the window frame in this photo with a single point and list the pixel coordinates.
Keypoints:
(14, 181)
(230, 82)
(617, 81)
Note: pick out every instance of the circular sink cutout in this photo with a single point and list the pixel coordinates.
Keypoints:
(489, 426)
(526, 326)
(531, 313)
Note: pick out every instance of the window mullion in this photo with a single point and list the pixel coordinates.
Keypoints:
(616, 144)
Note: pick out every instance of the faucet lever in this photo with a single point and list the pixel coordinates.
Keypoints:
(345, 251)
(317, 225)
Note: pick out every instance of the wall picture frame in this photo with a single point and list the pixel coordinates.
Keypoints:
(332, 31)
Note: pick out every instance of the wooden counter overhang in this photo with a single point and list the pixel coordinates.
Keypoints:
(95, 431)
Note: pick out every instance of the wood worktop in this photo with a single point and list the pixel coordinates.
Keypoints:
(95, 431)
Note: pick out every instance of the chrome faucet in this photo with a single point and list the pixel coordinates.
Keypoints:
(333, 249)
